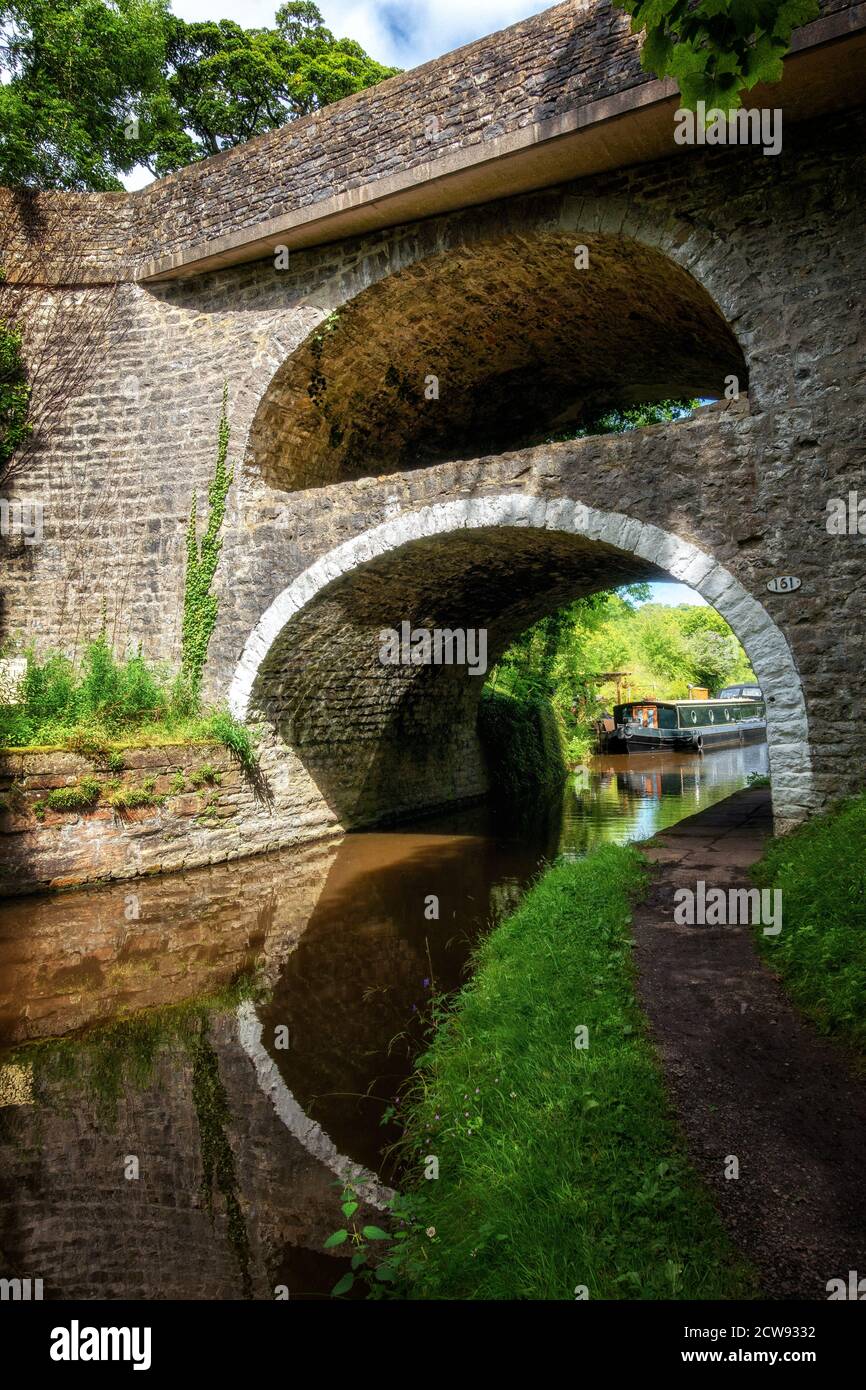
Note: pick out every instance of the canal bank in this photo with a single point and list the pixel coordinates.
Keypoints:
(751, 1079)
(768, 1118)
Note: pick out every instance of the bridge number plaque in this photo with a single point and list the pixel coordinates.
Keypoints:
(785, 584)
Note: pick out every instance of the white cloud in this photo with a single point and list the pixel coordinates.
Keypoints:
(402, 34)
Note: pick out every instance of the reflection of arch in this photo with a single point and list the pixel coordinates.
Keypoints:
(297, 1122)
(522, 342)
(617, 539)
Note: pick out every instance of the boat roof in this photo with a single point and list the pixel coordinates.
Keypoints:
(728, 700)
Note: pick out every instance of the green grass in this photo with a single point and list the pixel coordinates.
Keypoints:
(820, 952)
(101, 706)
(558, 1167)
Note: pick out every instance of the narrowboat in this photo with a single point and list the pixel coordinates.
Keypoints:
(688, 725)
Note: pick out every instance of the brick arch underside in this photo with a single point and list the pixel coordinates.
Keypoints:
(379, 742)
(522, 344)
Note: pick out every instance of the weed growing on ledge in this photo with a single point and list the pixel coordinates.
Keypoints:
(200, 605)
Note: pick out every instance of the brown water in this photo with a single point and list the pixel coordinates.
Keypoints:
(343, 940)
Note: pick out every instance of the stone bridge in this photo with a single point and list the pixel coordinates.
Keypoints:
(394, 293)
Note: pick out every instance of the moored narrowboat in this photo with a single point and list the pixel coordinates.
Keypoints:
(688, 725)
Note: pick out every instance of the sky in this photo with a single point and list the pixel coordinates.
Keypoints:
(672, 594)
(402, 33)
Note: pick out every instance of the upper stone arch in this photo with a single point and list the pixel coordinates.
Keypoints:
(489, 311)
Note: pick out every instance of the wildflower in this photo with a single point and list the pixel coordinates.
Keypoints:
(431, 1231)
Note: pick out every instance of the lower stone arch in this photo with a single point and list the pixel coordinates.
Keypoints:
(654, 550)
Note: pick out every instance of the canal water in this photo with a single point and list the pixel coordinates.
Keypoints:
(123, 1110)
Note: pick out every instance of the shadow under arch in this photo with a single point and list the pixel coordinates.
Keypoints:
(381, 742)
(490, 340)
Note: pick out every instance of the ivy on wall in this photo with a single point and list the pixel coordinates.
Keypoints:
(15, 391)
(717, 49)
(200, 605)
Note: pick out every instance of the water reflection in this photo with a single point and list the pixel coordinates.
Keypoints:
(348, 939)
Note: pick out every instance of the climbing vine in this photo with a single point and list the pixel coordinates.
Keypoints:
(717, 49)
(200, 605)
(15, 393)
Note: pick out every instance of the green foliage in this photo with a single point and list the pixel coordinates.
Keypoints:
(237, 738)
(84, 707)
(92, 89)
(200, 605)
(75, 71)
(821, 950)
(205, 776)
(103, 705)
(15, 424)
(522, 743)
(226, 84)
(131, 798)
(620, 421)
(558, 1166)
(378, 1257)
(84, 796)
(663, 649)
(717, 49)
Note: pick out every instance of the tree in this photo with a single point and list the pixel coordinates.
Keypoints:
(226, 84)
(91, 88)
(714, 658)
(717, 49)
(73, 74)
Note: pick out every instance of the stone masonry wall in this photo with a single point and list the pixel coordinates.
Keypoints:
(204, 810)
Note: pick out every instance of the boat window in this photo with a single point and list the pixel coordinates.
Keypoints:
(667, 717)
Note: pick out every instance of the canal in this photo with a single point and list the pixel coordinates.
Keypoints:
(104, 1133)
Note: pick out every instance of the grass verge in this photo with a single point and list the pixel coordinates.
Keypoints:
(821, 951)
(559, 1166)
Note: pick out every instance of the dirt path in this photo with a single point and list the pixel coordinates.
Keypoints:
(749, 1077)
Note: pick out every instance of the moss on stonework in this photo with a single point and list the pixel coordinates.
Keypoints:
(522, 744)
(111, 1059)
(218, 1160)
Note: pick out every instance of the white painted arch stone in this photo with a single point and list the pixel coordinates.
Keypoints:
(764, 642)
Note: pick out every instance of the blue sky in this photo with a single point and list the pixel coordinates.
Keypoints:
(673, 594)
